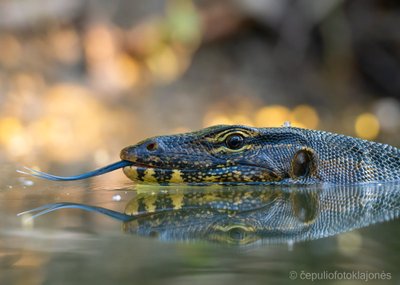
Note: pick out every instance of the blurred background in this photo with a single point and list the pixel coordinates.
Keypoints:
(79, 80)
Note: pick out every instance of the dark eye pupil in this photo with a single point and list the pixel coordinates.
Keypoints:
(234, 141)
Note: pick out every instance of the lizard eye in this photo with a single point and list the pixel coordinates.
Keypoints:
(301, 163)
(234, 141)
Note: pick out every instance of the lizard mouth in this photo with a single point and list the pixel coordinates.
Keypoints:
(140, 172)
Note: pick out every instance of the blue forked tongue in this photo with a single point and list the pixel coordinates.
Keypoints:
(65, 205)
(100, 171)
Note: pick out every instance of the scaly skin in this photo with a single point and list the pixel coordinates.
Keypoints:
(275, 214)
(284, 155)
(247, 214)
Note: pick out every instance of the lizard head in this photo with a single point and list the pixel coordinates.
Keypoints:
(222, 154)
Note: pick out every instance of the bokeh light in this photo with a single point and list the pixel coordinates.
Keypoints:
(215, 119)
(11, 50)
(367, 126)
(65, 45)
(387, 111)
(272, 116)
(164, 65)
(304, 116)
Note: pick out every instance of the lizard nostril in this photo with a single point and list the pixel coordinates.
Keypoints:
(152, 146)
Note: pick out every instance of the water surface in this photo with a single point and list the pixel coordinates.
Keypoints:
(309, 230)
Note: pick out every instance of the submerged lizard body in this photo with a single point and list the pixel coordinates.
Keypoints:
(239, 154)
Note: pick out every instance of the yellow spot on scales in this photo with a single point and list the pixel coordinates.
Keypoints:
(148, 199)
(177, 200)
(150, 175)
(211, 178)
(132, 208)
(150, 203)
(131, 172)
(176, 177)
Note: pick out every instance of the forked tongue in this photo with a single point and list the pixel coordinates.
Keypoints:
(100, 171)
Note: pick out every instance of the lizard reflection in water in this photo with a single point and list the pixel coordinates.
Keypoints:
(251, 213)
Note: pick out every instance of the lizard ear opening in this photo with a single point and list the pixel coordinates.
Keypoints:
(302, 163)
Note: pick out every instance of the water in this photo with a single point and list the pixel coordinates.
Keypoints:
(307, 231)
